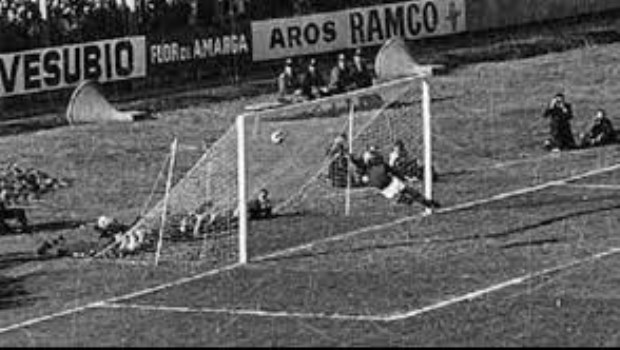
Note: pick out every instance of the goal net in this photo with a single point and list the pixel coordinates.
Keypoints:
(298, 154)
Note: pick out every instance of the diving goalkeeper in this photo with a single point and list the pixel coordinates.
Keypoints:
(379, 175)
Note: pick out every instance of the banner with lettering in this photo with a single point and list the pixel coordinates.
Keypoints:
(54, 68)
(358, 27)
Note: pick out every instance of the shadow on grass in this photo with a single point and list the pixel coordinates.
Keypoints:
(533, 243)
(450, 240)
(48, 227)
(58, 226)
(29, 125)
(11, 260)
(13, 291)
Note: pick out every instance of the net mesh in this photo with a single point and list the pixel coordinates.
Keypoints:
(288, 153)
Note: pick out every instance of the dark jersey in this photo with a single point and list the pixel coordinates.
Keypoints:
(602, 132)
(287, 84)
(310, 83)
(258, 209)
(361, 77)
(560, 128)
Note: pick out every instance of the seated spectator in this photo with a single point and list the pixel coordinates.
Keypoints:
(361, 76)
(340, 77)
(600, 133)
(312, 83)
(289, 90)
(7, 213)
(260, 207)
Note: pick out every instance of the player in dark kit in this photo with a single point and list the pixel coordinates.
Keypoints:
(560, 114)
(379, 175)
(7, 213)
(260, 207)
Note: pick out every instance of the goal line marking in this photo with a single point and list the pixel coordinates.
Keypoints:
(392, 317)
(303, 247)
(246, 312)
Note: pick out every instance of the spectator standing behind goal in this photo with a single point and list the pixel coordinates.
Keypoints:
(312, 83)
(360, 74)
(289, 90)
(600, 133)
(560, 114)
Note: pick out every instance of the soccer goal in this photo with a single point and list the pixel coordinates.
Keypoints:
(307, 157)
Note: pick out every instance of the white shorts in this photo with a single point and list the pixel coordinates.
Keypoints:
(394, 188)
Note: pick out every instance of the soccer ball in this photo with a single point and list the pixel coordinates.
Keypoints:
(277, 137)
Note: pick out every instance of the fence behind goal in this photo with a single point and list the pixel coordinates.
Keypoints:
(314, 193)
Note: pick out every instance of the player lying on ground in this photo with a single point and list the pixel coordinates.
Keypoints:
(205, 221)
(113, 237)
(377, 174)
(7, 213)
(404, 165)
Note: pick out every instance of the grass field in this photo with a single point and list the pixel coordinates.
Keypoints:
(523, 253)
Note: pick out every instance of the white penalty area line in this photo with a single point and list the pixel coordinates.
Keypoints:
(498, 287)
(303, 247)
(393, 317)
(245, 312)
(101, 303)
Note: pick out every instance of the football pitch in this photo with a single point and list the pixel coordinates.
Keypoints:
(523, 252)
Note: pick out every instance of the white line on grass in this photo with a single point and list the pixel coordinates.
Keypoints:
(394, 317)
(594, 186)
(97, 304)
(457, 207)
(246, 312)
(498, 287)
(303, 247)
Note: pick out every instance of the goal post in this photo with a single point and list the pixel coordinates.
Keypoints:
(307, 157)
(357, 120)
(428, 142)
(242, 186)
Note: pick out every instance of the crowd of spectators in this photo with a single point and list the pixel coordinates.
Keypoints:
(27, 24)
